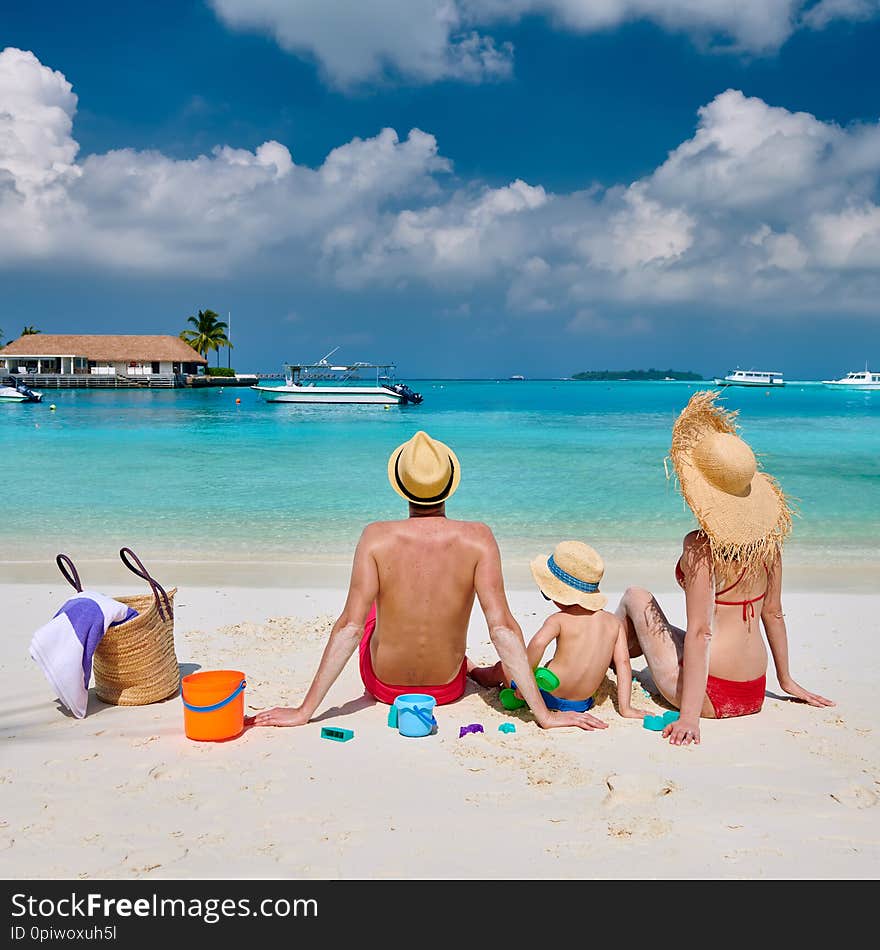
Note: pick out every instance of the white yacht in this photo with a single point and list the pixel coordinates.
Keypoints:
(12, 390)
(327, 384)
(751, 377)
(860, 379)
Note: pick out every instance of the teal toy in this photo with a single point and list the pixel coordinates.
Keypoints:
(507, 727)
(546, 680)
(336, 733)
(659, 723)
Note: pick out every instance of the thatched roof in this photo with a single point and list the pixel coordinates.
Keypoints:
(105, 346)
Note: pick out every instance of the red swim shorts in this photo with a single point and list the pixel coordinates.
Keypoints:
(385, 692)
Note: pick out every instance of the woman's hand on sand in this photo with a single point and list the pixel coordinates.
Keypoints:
(682, 732)
(581, 720)
(632, 713)
(281, 716)
(814, 699)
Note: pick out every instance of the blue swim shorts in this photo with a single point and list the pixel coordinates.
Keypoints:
(563, 705)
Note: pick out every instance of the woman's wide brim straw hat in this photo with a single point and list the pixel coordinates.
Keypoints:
(571, 575)
(423, 470)
(741, 509)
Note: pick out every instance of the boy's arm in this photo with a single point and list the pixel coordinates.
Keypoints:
(506, 636)
(623, 669)
(344, 637)
(541, 640)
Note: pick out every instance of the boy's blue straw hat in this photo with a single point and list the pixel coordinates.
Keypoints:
(571, 575)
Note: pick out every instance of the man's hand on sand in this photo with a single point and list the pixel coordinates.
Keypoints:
(281, 716)
(580, 720)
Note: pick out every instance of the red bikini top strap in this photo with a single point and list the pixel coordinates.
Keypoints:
(726, 589)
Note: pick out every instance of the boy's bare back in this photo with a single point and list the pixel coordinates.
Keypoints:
(585, 642)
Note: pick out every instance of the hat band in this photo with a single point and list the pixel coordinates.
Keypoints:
(416, 498)
(570, 579)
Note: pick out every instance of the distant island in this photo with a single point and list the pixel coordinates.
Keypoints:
(637, 374)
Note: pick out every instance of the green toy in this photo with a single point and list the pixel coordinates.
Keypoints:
(659, 723)
(336, 733)
(546, 680)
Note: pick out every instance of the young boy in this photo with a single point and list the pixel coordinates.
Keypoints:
(588, 639)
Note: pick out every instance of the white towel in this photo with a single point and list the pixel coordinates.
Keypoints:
(63, 648)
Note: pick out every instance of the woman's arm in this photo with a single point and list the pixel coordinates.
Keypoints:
(699, 573)
(777, 636)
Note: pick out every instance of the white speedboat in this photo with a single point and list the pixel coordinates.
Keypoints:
(751, 377)
(863, 380)
(325, 384)
(14, 391)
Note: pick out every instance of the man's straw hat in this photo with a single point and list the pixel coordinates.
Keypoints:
(742, 510)
(423, 470)
(571, 575)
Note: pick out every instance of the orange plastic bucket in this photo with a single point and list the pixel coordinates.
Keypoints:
(213, 704)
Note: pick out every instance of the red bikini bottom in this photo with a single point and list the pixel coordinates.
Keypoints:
(387, 693)
(735, 698)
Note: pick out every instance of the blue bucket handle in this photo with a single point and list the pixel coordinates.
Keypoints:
(421, 712)
(219, 705)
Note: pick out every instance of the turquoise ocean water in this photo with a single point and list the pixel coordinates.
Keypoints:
(192, 474)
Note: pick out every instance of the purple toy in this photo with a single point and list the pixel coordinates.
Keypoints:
(473, 727)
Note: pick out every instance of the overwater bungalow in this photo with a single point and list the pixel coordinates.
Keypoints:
(100, 360)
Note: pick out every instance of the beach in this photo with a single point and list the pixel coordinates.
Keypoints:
(123, 794)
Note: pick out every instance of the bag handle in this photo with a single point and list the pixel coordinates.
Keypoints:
(155, 586)
(68, 569)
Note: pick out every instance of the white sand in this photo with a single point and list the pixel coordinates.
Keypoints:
(123, 794)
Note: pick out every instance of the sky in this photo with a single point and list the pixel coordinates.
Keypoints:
(467, 188)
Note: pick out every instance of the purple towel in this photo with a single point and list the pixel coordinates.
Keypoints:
(64, 647)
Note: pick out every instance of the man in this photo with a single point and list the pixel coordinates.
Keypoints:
(410, 597)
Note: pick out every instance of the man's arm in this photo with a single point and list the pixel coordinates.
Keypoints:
(344, 637)
(507, 638)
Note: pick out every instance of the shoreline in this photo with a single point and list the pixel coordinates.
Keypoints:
(332, 571)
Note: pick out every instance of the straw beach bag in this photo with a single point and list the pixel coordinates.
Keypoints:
(135, 663)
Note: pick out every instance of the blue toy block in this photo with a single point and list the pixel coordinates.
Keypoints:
(336, 733)
(659, 723)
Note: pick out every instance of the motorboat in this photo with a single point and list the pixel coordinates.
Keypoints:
(751, 377)
(13, 390)
(325, 383)
(863, 380)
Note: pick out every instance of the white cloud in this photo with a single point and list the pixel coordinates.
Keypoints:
(753, 25)
(431, 40)
(759, 206)
(826, 11)
(421, 40)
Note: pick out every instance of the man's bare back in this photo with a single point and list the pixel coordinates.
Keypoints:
(426, 570)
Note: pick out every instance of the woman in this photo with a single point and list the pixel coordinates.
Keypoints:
(731, 572)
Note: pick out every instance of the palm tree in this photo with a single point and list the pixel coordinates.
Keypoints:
(209, 333)
(30, 331)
